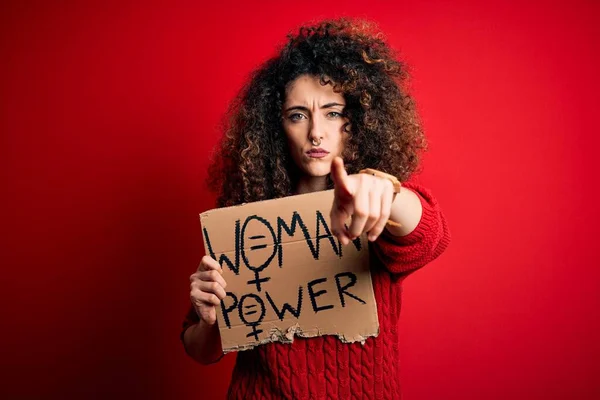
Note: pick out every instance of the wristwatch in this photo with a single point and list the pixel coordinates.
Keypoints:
(391, 178)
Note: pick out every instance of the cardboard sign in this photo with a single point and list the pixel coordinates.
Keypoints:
(287, 275)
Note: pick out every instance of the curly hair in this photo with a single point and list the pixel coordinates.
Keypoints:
(253, 162)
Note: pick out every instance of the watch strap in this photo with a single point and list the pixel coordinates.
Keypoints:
(380, 174)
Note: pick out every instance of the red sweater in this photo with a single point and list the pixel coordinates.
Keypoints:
(324, 367)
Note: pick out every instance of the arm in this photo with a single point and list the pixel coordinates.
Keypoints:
(201, 341)
(407, 211)
(405, 253)
(369, 200)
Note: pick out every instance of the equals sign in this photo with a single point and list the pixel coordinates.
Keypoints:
(260, 246)
(250, 312)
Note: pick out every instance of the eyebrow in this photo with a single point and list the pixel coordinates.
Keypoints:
(328, 105)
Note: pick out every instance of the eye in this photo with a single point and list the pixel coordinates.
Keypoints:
(334, 114)
(296, 117)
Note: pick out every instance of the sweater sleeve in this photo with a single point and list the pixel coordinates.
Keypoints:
(405, 254)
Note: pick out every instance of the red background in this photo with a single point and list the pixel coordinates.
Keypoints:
(108, 113)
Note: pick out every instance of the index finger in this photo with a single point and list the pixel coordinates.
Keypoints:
(208, 263)
(339, 176)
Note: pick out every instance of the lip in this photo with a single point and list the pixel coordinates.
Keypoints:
(317, 153)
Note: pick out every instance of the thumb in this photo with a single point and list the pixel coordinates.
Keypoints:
(339, 176)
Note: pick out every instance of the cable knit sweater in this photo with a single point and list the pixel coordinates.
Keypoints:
(324, 367)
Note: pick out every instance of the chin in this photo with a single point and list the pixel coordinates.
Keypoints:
(318, 171)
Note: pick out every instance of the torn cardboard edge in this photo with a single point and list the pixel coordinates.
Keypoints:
(277, 335)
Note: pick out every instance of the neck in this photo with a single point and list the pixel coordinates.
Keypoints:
(309, 184)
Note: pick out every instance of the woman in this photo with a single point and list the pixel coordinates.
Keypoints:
(331, 103)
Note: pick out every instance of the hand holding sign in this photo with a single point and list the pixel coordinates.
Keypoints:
(207, 289)
(365, 198)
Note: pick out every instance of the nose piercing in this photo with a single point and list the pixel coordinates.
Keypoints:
(316, 143)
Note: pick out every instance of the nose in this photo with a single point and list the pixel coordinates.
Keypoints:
(315, 133)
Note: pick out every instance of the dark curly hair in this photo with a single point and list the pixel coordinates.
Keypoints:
(253, 163)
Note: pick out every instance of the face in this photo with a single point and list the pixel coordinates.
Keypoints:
(313, 120)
